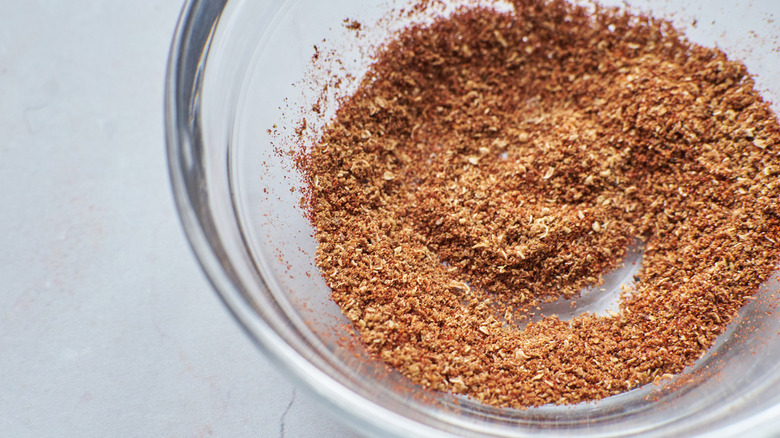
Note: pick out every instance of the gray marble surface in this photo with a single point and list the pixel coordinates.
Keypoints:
(107, 325)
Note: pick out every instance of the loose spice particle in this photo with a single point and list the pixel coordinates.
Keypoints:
(491, 161)
(352, 24)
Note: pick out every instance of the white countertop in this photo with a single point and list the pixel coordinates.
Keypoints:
(107, 325)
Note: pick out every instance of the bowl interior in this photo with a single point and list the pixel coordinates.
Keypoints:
(258, 81)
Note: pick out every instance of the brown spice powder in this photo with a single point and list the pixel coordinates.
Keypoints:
(493, 161)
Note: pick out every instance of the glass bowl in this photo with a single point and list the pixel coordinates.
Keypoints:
(235, 71)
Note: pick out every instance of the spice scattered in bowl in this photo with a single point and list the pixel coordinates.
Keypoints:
(492, 161)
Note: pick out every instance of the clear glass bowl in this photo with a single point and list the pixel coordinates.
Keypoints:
(232, 65)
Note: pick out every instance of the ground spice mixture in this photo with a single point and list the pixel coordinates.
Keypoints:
(491, 161)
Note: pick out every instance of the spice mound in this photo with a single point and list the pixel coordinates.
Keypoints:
(493, 161)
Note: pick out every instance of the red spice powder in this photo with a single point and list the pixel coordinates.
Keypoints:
(491, 161)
